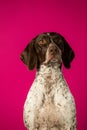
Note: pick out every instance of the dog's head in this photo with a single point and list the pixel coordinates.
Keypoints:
(45, 48)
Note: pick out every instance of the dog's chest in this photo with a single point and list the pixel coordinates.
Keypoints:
(49, 86)
(49, 99)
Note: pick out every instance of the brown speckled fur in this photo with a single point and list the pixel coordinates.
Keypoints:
(49, 104)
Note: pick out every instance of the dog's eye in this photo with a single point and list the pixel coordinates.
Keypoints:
(43, 43)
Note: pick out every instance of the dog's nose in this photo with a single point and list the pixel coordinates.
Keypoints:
(53, 49)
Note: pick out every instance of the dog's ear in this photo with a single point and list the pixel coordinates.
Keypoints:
(28, 56)
(67, 54)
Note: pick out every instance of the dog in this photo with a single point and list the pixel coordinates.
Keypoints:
(49, 104)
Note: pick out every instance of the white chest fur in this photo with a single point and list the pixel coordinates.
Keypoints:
(49, 104)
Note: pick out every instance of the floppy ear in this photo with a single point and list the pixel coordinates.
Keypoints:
(28, 56)
(67, 54)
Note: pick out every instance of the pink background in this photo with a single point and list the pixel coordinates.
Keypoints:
(20, 21)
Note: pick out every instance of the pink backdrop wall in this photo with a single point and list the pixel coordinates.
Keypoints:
(20, 21)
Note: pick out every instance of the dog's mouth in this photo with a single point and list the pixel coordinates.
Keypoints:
(54, 59)
(51, 59)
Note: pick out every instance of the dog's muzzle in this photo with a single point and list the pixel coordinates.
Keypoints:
(53, 50)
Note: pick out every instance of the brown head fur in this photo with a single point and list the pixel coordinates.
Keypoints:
(35, 52)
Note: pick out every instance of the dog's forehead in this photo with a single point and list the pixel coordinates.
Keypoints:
(41, 37)
(48, 37)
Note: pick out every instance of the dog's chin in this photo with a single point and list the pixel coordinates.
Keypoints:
(52, 60)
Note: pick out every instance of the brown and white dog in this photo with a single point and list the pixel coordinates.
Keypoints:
(49, 104)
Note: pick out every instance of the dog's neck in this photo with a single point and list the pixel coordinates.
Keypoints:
(52, 68)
